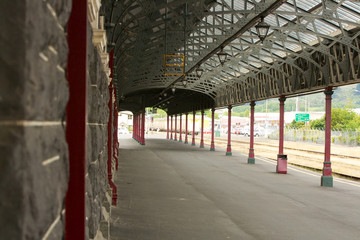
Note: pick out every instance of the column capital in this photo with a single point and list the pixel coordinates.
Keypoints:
(202, 111)
(282, 98)
(213, 109)
(229, 107)
(328, 91)
(252, 104)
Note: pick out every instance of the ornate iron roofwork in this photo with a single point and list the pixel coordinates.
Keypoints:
(310, 45)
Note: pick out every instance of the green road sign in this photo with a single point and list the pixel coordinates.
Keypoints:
(302, 117)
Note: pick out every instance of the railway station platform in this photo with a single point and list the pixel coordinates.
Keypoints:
(169, 190)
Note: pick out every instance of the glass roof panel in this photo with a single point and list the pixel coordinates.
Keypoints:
(306, 4)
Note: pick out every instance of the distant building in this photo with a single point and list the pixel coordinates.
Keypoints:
(125, 119)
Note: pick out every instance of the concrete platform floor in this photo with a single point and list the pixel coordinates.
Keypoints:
(171, 191)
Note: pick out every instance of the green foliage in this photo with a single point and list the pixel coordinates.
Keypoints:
(341, 118)
(160, 113)
(208, 113)
(296, 125)
(318, 123)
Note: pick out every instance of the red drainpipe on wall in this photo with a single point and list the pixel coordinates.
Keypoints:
(111, 183)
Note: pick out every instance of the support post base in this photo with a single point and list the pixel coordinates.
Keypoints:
(186, 142)
(193, 144)
(212, 149)
(251, 160)
(228, 154)
(180, 140)
(175, 140)
(326, 181)
(201, 146)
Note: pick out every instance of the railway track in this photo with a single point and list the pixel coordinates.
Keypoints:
(342, 165)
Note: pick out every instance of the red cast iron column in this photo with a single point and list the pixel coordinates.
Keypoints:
(180, 133)
(186, 128)
(326, 178)
(193, 135)
(167, 127)
(212, 147)
(171, 135)
(281, 166)
(251, 158)
(202, 129)
(133, 126)
(143, 127)
(76, 121)
(175, 139)
(139, 128)
(228, 150)
(136, 126)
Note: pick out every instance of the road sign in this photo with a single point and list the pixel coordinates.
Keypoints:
(302, 117)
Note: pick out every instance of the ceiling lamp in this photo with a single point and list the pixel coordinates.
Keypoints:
(199, 72)
(262, 29)
(184, 82)
(173, 89)
(159, 98)
(165, 94)
(222, 56)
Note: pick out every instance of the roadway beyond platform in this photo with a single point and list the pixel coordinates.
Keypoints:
(171, 191)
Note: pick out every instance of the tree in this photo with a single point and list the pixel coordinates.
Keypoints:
(341, 118)
(297, 125)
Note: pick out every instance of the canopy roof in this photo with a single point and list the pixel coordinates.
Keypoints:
(311, 44)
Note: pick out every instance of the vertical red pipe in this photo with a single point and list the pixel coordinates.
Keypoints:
(115, 138)
(109, 145)
(212, 146)
(171, 132)
(143, 127)
(228, 150)
(251, 158)
(281, 166)
(193, 135)
(180, 133)
(76, 121)
(326, 178)
(175, 139)
(202, 129)
(167, 127)
(186, 128)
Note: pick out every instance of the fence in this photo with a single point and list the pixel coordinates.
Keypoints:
(344, 137)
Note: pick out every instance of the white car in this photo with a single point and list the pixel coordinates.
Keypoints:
(123, 130)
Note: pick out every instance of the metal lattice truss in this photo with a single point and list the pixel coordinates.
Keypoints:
(311, 44)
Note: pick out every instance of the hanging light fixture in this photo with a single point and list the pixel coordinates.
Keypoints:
(222, 56)
(160, 98)
(173, 89)
(199, 72)
(165, 94)
(262, 29)
(184, 82)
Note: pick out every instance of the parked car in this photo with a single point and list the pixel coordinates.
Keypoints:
(123, 130)
(258, 132)
(237, 131)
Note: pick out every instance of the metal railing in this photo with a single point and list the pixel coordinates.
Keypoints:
(344, 137)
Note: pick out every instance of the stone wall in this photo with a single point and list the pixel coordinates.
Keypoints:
(33, 97)
(97, 199)
(33, 149)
